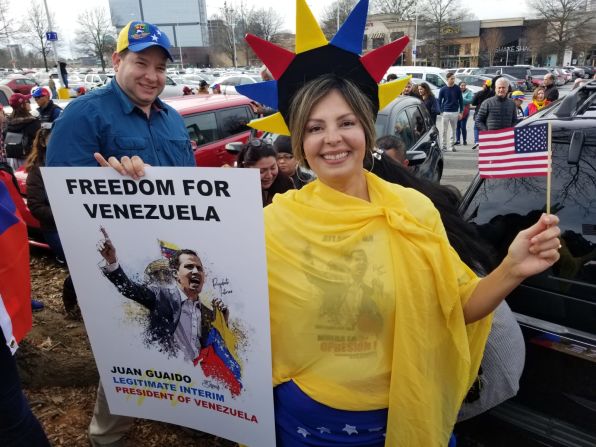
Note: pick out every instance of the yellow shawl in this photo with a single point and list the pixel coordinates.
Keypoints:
(366, 307)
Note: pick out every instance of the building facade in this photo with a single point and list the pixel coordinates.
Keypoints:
(184, 21)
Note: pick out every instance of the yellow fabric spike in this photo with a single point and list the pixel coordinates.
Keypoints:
(308, 32)
(227, 335)
(390, 90)
(273, 123)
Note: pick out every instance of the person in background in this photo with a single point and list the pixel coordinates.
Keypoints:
(518, 98)
(48, 110)
(411, 90)
(85, 135)
(394, 147)
(429, 100)
(266, 74)
(52, 86)
(216, 89)
(81, 91)
(477, 101)
(203, 88)
(260, 154)
(551, 92)
(186, 91)
(287, 164)
(462, 130)
(539, 102)
(451, 104)
(20, 131)
(391, 77)
(39, 205)
(499, 111)
(18, 425)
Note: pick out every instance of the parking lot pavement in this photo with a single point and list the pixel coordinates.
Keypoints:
(461, 166)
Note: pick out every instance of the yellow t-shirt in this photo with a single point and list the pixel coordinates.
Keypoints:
(366, 307)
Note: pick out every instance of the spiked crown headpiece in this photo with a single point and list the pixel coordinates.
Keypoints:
(315, 56)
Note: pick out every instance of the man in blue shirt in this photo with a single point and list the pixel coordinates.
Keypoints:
(451, 103)
(121, 122)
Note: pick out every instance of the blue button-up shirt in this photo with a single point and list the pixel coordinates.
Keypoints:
(106, 121)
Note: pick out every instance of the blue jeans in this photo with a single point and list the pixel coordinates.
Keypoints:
(18, 426)
(461, 129)
(53, 240)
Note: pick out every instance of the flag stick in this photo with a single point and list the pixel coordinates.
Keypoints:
(549, 169)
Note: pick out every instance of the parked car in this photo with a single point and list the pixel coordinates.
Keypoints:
(433, 75)
(556, 403)
(518, 72)
(19, 84)
(538, 75)
(474, 80)
(214, 121)
(95, 80)
(228, 84)
(408, 118)
(577, 72)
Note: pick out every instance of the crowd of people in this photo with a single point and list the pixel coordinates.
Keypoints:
(437, 313)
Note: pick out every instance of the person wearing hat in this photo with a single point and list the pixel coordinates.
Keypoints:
(20, 130)
(107, 123)
(391, 324)
(288, 164)
(48, 111)
(518, 98)
(81, 91)
(477, 100)
(203, 88)
(187, 91)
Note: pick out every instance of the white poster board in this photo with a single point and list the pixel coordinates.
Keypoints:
(161, 355)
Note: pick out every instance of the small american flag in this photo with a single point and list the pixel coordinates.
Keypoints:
(514, 152)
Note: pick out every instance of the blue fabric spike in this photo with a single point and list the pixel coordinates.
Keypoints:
(262, 92)
(349, 36)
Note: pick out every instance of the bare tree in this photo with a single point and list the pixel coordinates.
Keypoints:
(566, 20)
(338, 9)
(401, 9)
(36, 26)
(535, 37)
(264, 23)
(225, 38)
(438, 15)
(96, 34)
(492, 40)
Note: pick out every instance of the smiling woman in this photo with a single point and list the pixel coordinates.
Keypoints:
(260, 154)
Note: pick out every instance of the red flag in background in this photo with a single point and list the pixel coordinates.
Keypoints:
(15, 288)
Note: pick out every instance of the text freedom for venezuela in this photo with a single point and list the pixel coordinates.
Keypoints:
(168, 390)
(145, 187)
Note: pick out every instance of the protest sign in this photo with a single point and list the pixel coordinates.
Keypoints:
(170, 273)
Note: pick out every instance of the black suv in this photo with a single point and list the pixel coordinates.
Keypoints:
(556, 404)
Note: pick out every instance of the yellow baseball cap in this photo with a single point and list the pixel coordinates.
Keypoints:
(137, 36)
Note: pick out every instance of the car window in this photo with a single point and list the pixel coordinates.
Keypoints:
(415, 75)
(502, 207)
(233, 121)
(517, 72)
(403, 129)
(169, 81)
(202, 128)
(246, 81)
(417, 123)
(435, 79)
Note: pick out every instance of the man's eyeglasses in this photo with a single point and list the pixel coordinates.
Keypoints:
(284, 156)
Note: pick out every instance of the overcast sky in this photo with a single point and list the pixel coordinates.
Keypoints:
(66, 11)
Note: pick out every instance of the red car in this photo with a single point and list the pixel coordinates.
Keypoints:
(19, 84)
(212, 122)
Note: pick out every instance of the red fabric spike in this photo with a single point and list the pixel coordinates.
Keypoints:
(277, 59)
(378, 61)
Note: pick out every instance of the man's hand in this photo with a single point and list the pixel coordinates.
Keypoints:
(219, 305)
(106, 248)
(132, 166)
(460, 116)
